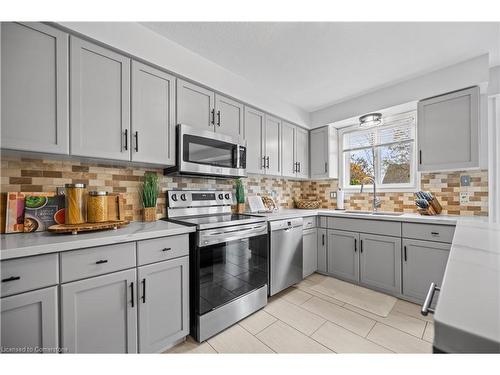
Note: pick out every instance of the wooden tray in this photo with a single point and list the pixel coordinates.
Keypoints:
(87, 227)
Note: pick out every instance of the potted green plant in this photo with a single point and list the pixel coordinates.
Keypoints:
(149, 192)
(240, 196)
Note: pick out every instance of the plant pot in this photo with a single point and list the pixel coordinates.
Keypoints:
(240, 208)
(149, 213)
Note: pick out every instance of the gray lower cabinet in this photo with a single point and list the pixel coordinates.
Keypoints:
(342, 256)
(29, 320)
(99, 315)
(163, 302)
(322, 250)
(153, 115)
(424, 262)
(34, 84)
(310, 251)
(100, 101)
(380, 262)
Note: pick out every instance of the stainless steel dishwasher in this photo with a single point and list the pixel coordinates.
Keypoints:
(286, 254)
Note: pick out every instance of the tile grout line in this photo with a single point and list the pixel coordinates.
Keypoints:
(263, 343)
(412, 336)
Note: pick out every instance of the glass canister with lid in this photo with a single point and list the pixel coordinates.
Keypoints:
(76, 205)
(97, 207)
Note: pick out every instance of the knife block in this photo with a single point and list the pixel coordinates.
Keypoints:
(434, 208)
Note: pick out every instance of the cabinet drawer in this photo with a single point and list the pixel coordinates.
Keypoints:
(309, 222)
(23, 274)
(430, 232)
(158, 249)
(323, 221)
(382, 227)
(80, 264)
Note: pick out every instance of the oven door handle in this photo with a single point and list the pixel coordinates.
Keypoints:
(235, 231)
(225, 236)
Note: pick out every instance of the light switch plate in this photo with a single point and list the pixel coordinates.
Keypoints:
(465, 180)
(333, 194)
(464, 198)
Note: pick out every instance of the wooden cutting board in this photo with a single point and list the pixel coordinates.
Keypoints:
(87, 227)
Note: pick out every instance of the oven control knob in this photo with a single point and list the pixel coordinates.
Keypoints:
(174, 197)
(183, 197)
(227, 196)
(221, 196)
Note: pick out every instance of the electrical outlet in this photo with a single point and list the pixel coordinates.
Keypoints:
(465, 180)
(333, 194)
(464, 198)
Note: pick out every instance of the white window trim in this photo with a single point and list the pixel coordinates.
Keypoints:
(395, 188)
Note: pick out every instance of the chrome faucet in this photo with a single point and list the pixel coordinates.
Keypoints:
(376, 201)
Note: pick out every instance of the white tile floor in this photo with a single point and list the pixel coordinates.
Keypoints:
(314, 316)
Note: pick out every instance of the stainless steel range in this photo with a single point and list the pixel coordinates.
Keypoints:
(228, 259)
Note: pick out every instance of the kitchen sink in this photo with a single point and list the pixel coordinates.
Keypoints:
(377, 213)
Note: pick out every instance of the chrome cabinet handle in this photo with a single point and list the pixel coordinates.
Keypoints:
(428, 300)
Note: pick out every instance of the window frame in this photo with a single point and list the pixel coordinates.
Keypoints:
(344, 168)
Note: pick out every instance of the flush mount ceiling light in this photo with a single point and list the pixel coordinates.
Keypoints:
(370, 119)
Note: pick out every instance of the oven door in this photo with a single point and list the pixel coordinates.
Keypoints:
(208, 153)
(232, 268)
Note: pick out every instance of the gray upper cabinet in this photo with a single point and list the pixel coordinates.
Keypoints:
(255, 125)
(289, 166)
(302, 152)
(153, 115)
(163, 304)
(310, 251)
(343, 259)
(229, 116)
(100, 102)
(424, 262)
(29, 320)
(195, 105)
(34, 83)
(99, 315)
(273, 146)
(322, 250)
(448, 131)
(380, 262)
(295, 151)
(324, 153)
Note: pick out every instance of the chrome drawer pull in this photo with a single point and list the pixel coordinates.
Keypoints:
(12, 278)
(428, 300)
(101, 261)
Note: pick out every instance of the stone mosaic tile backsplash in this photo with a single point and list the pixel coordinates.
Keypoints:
(27, 175)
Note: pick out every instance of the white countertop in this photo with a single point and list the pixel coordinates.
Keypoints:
(25, 244)
(467, 318)
(289, 213)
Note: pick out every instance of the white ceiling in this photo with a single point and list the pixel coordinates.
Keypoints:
(313, 65)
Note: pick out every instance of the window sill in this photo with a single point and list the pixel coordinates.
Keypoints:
(369, 190)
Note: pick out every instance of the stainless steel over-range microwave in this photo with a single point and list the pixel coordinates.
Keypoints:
(206, 153)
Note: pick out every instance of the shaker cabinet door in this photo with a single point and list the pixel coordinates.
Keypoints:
(288, 161)
(424, 262)
(448, 131)
(195, 105)
(100, 102)
(153, 115)
(273, 146)
(229, 117)
(343, 254)
(255, 125)
(380, 262)
(99, 315)
(29, 320)
(302, 152)
(319, 153)
(34, 84)
(163, 303)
